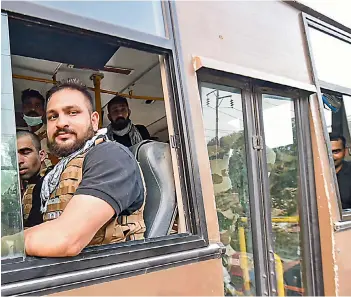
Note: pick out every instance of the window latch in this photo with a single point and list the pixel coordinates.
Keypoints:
(257, 142)
(174, 141)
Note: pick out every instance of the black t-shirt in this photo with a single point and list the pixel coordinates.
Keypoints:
(344, 182)
(125, 139)
(111, 173)
(35, 216)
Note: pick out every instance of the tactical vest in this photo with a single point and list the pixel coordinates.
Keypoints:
(122, 228)
(27, 199)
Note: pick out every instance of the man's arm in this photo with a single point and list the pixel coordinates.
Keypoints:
(67, 235)
(111, 183)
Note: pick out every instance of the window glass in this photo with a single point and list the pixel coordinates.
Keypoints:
(145, 16)
(337, 113)
(332, 58)
(347, 107)
(11, 214)
(224, 129)
(282, 162)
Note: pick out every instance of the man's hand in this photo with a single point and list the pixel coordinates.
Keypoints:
(67, 235)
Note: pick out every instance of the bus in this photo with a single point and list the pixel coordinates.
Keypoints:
(239, 98)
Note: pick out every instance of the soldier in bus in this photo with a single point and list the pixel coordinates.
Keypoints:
(342, 168)
(95, 195)
(33, 104)
(32, 172)
(121, 129)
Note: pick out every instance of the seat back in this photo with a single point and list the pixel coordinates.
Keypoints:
(160, 205)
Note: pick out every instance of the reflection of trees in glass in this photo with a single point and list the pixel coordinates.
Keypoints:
(283, 191)
(283, 178)
(10, 196)
(233, 203)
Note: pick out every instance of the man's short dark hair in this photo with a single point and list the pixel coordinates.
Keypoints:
(35, 139)
(117, 100)
(337, 137)
(29, 93)
(71, 84)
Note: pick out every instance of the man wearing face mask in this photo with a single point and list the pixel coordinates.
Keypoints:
(121, 128)
(33, 104)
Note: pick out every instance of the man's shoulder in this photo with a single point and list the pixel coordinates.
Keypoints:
(110, 150)
(41, 131)
(140, 126)
(347, 165)
(143, 131)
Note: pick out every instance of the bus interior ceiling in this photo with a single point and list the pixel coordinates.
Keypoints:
(127, 71)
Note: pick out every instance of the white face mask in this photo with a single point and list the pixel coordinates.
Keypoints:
(32, 121)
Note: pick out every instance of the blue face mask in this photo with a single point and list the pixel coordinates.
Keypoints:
(32, 121)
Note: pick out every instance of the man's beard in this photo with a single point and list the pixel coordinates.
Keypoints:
(64, 150)
(120, 123)
(33, 113)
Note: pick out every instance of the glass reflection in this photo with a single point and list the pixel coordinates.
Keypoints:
(332, 58)
(144, 16)
(224, 132)
(281, 143)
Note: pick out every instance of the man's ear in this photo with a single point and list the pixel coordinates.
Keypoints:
(109, 117)
(129, 112)
(95, 120)
(42, 155)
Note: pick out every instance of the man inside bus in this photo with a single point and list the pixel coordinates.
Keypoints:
(95, 182)
(342, 168)
(33, 104)
(121, 129)
(32, 171)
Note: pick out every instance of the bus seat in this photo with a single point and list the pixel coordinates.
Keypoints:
(160, 205)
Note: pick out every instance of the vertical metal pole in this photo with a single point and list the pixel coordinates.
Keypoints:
(217, 100)
(280, 275)
(96, 78)
(243, 260)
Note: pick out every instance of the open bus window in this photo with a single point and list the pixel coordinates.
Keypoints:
(39, 58)
(337, 113)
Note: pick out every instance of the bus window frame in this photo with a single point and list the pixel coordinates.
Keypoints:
(22, 277)
(311, 22)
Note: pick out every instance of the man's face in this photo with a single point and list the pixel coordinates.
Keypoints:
(338, 152)
(70, 122)
(119, 115)
(33, 107)
(29, 159)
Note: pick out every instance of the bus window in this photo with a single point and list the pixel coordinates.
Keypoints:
(337, 108)
(11, 221)
(333, 76)
(225, 137)
(284, 189)
(129, 77)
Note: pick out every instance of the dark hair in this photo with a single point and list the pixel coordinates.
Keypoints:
(29, 93)
(35, 139)
(71, 84)
(117, 100)
(336, 137)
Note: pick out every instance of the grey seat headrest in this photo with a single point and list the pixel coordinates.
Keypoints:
(160, 205)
